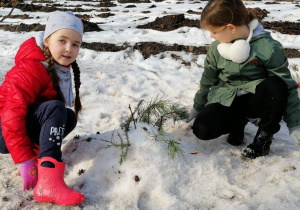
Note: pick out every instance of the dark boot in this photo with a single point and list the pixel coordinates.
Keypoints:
(260, 145)
(236, 137)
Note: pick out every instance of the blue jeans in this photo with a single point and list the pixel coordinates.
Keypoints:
(47, 124)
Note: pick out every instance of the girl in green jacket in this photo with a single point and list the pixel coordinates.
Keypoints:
(246, 78)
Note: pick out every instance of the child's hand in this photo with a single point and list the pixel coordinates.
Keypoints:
(295, 134)
(28, 173)
(193, 114)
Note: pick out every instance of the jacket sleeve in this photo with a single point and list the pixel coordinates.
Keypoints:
(23, 86)
(208, 79)
(278, 65)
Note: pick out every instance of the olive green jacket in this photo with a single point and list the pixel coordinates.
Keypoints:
(222, 78)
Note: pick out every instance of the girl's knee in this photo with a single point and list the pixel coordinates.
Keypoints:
(202, 132)
(71, 118)
(277, 86)
(57, 105)
(56, 108)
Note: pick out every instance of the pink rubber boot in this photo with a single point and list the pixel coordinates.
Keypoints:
(52, 187)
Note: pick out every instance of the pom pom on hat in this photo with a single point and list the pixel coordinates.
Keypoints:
(59, 20)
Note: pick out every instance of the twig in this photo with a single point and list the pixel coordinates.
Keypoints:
(132, 116)
(160, 122)
(14, 5)
(7, 15)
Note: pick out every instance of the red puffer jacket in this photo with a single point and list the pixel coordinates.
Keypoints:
(27, 83)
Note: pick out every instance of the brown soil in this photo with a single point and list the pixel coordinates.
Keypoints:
(23, 27)
(35, 8)
(106, 4)
(134, 1)
(20, 17)
(173, 22)
(84, 17)
(48, 8)
(166, 23)
(41, 1)
(87, 27)
(283, 27)
(169, 23)
(152, 48)
(259, 13)
(130, 6)
(193, 12)
(105, 15)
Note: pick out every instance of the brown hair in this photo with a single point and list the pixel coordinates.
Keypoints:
(219, 13)
(55, 79)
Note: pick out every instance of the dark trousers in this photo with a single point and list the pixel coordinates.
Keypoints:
(268, 103)
(47, 124)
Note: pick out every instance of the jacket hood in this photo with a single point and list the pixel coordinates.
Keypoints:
(261, 36)
(29, 50)
(259, 30)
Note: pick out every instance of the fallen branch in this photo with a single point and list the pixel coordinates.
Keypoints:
(15, 3)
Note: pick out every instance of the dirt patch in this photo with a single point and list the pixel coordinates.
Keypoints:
(104, 10)
(134, 1)
(146, 48)
(47, 8)
(153, 48)
(36, 8)
(283, 27)
(194, 12)
(84, 17)
(103, 47)
(173, 22)
(8, 3)
(105, 15)
(20, 17)
(87, 27)
(259, 13)
(292, 53)
(106, 4)
(23, 27)
(41, 1)
(130, 6)
(169, 23)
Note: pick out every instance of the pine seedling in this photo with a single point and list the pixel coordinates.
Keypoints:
(173, 145)
(156, 112)
(124, 146)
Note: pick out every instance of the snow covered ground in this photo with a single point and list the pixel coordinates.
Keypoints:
(217, 177)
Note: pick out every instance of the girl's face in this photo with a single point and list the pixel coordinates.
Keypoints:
(64, 46)
(224, 34)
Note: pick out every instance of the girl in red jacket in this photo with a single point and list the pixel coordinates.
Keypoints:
(33, 113)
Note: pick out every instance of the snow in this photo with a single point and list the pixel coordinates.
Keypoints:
(216, 177)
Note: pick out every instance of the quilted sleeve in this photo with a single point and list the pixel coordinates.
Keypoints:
(23, 84)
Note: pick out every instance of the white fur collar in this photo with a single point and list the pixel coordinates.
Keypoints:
(239, 50)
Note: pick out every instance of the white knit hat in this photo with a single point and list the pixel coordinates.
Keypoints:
(59, 20)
